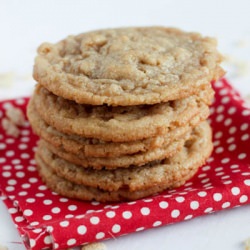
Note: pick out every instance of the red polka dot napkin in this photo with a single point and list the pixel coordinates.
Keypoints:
(47, 220)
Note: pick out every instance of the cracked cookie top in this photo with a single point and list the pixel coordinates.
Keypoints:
(128, 66)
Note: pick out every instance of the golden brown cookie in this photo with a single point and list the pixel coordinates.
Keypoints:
(118, 124)
(131, 183)
(128, 66)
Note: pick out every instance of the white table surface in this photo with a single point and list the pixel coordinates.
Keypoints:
(25, 24)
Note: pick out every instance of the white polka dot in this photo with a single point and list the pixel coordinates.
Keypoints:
(12, 210)
(95, 203)
(47, 217)
(18, 167)
(9, 188)
(110, 214)
(34, 223)
(246, 112)
(6, 167)
(33, 180)
(6, 174)
(188, 217)
(99, 235)
(26, 185)
(226, 204)
(116, 228)
(63, 200)
(232, 147)
(208, 210)
(19, 219)
(94, 220)
(225, 160)
(218, 135)
(228, 122)
(64, 223)
(71, 242)
(220, 118)
(37, 231)
(2, 160)
(242, 156)
(139, 229)
(225, 99)
(2, 146)
(235, 190)
(22, 193)
(39, 194)
(145, 211)
(223, 92)
(230, 140)
(69, 216)
(194, 205)
(202, 193)
(157, 223)
(217, 197)
(72, 207)
(30, 200)
(47, 240)
(232, 130)
(163, 204)
(20, 174)
(82, 230)
(245, 137)
(126, 214)
(219, 150)
(227, 182)
(10, 153)
(175, 213)
(22, 146)
(180, 199)
(47, 202)
(55, 210)
(206, 168)
(205, 180)
(244, 126)
(42, 187)
(32, 242)
(218, 84)
(243, 199)
(202, 175)
(25, 156)
(231, 110)
(247, 182)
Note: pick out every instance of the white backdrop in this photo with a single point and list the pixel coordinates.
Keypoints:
(25, 24)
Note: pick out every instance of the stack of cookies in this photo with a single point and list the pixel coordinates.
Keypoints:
(121, 113)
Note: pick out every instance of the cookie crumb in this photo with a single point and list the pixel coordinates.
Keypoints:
(247, 244)
(94, 246)
(3, 247)
(10, 128)
(16, 116)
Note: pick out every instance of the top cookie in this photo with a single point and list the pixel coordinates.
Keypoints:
(128, 66)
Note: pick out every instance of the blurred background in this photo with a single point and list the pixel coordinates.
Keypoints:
(26, 24)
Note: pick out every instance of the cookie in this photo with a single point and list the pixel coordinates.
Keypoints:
(128, 66)
(118, 124)
(132, 183)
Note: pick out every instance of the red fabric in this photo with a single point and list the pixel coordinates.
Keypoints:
(45, 219)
